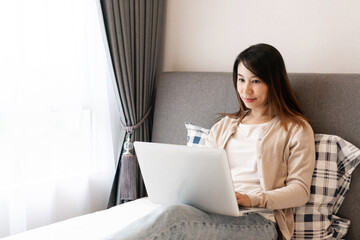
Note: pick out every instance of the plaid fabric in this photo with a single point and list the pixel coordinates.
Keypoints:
(196, 135)
(336, 159)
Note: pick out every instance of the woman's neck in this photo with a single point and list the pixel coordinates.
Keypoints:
(253, 117)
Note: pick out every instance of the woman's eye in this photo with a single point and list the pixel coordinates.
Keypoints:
(256, 81)
(241, 80)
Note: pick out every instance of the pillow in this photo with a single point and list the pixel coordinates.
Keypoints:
(336, 159)
(196, 135)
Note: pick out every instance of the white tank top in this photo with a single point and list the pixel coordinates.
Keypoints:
(242, 155)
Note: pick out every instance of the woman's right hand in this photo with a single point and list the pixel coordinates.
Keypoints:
(243, 199)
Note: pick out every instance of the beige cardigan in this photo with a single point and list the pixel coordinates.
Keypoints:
(286, 161)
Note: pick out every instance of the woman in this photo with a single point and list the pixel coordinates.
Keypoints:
(269, 143)
(271, 152)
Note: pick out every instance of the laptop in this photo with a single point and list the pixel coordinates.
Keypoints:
(199, 177)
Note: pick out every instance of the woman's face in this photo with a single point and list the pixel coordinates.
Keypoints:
(252, 90)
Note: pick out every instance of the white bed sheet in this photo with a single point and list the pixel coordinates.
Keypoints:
(99, 225)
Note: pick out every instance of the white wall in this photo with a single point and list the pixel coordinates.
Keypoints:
(312, 35)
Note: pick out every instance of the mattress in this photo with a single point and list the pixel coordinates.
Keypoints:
(104, 224)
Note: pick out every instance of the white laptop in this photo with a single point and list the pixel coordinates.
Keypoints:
(199, 177)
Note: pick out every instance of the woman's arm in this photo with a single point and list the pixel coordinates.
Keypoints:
(300, 167)
(210, 139)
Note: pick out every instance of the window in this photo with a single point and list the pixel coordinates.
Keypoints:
(55, 140)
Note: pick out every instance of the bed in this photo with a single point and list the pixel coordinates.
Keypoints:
(331, 102)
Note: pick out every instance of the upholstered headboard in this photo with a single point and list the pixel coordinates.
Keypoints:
(330, 101)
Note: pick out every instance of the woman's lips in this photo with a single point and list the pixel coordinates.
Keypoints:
(249, 100)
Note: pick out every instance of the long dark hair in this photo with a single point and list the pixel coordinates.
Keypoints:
(266, 62)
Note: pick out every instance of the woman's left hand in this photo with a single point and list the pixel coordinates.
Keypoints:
(243, 199)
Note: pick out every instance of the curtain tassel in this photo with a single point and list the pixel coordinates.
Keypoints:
(128, 172)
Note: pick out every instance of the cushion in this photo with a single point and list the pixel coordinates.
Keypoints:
(336, 159)
(196, 135)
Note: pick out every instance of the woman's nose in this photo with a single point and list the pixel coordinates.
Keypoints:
(247, 88)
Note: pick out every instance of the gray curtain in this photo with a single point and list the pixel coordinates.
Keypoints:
(133, 29)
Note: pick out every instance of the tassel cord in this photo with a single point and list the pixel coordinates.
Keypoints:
(130, 129)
